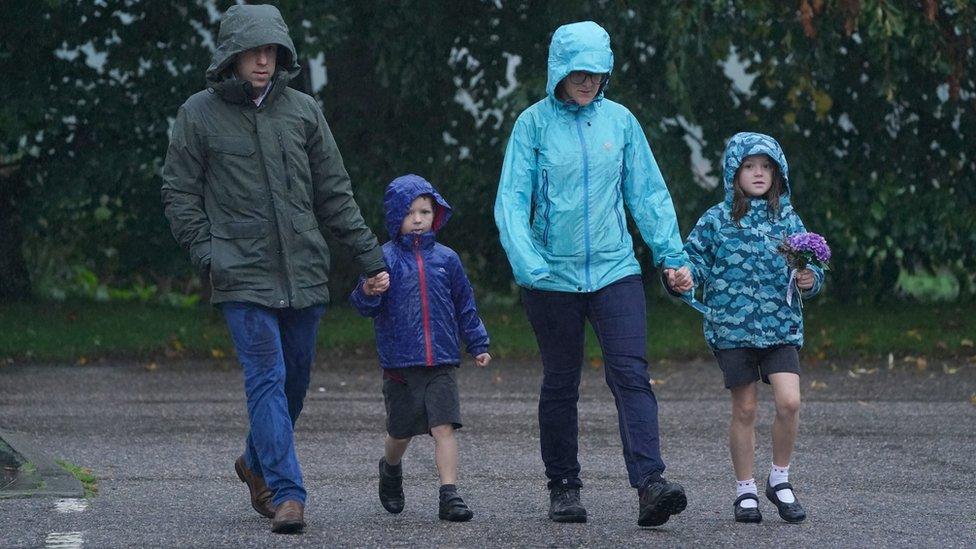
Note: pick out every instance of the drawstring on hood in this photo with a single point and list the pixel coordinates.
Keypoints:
(244, 27)
(583, 46)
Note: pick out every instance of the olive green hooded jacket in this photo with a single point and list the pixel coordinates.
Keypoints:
(248, 188)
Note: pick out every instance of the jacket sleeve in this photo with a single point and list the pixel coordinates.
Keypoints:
(513, 205)
(796, 226)
(367, 305)
(649, 201)
(472, 329)
(333, 200)
(182, 192)
(700, 247)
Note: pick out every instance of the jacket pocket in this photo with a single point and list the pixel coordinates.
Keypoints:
(240, 256)
(310, 253)
(546, 206)
(231, 144)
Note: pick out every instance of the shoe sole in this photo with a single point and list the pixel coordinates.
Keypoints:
(289, 528)
(240, 475)
(756, 520)
(567, 518)
(672, 503)
(450, 518)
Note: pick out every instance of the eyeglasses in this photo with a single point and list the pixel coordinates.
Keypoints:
(579, 77)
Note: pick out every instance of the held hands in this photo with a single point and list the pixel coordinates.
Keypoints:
(482, 360)
(679, 280)
(376, 284)
(804, 279)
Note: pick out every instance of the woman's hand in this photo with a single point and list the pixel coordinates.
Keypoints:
(679, 280)
(804, 279)
(482, 360)
(376, 284)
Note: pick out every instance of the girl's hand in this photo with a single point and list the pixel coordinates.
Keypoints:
(804, 279)
(482, 360)
(376, 284)
(679, 280)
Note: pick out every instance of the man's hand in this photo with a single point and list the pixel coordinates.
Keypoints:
(804, 279)
(482, 360)
(679, 280)
(376, 284)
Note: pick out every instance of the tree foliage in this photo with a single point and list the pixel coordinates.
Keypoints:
(873, 101)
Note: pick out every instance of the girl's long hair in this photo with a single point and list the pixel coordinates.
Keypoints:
(740, 202)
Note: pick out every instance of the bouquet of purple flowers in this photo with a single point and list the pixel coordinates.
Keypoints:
(802, 249)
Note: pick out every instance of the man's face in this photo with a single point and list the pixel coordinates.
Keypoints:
(257, 65)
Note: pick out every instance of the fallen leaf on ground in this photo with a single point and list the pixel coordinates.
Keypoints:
(921, 364)
(82, 361)
(966, 343)
(152, 366)
(818, 385)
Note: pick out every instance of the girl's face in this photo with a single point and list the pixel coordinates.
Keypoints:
(420, 218)
(756, 175)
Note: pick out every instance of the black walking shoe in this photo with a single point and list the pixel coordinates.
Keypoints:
(565, 506)
(453, 508)
(746, 514)
(790, 512)
(658, 501)
(391, 486)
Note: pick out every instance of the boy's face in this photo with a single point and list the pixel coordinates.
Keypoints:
(756, 175)
(257, 65)
(420, 218)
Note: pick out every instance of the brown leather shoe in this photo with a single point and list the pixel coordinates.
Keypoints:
(289, 518)
(260, 493)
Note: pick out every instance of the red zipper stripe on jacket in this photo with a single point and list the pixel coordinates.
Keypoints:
(424, 305)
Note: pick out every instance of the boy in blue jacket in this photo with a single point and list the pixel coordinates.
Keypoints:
(418, 321)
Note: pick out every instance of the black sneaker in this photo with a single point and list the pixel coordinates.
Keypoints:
(746, 514)
(453, 508)
(658, 501)
(790, 512)
(391, 487)
(565, 506)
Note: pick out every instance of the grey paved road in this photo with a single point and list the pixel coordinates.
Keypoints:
(885, 458)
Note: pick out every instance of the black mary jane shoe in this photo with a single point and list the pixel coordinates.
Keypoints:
(746, 514)
(790, 512)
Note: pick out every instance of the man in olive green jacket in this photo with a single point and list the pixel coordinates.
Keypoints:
(251, 175)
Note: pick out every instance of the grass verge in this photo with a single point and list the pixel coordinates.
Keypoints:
(79, 332)
(84, 476)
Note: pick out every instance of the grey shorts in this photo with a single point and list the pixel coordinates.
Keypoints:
(419, 398)
(746, 365)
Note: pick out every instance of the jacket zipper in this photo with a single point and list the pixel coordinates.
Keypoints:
(586, 201)
(545, 215)
(284, 161)
(424, 304)
(616, 210)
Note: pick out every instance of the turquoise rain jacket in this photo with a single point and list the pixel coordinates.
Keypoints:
(744, 279)
(567, 174)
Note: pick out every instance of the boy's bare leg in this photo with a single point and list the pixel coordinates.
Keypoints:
(786, 391)
(445, 453)
(394, 448)
(742, 430)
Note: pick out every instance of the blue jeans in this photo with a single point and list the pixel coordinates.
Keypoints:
(618, 316)
(275, 348)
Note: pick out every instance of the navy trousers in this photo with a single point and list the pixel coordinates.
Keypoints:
(276, 348)
(618, 316)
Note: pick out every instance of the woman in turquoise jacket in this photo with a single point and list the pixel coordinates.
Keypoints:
(574, 160)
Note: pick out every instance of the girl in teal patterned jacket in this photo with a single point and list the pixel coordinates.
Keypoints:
(754, 328)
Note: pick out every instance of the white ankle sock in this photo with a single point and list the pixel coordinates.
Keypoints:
(746, 487)
(779, 475)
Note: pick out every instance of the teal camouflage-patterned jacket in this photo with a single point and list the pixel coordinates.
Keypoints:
(744, 279)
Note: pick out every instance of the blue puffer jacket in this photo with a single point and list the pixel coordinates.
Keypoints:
(743, 277)
(430, 302)
(567, 174)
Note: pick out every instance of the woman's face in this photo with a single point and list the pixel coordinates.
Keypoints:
(581, 87)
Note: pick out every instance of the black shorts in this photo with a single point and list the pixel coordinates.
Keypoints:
(745, 365)
(419, 398)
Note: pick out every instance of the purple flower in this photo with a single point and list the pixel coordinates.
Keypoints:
(803, 248)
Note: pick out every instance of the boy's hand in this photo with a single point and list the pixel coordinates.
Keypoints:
(376, 284)
(482, 360)
(679, 280)
(804, 279)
